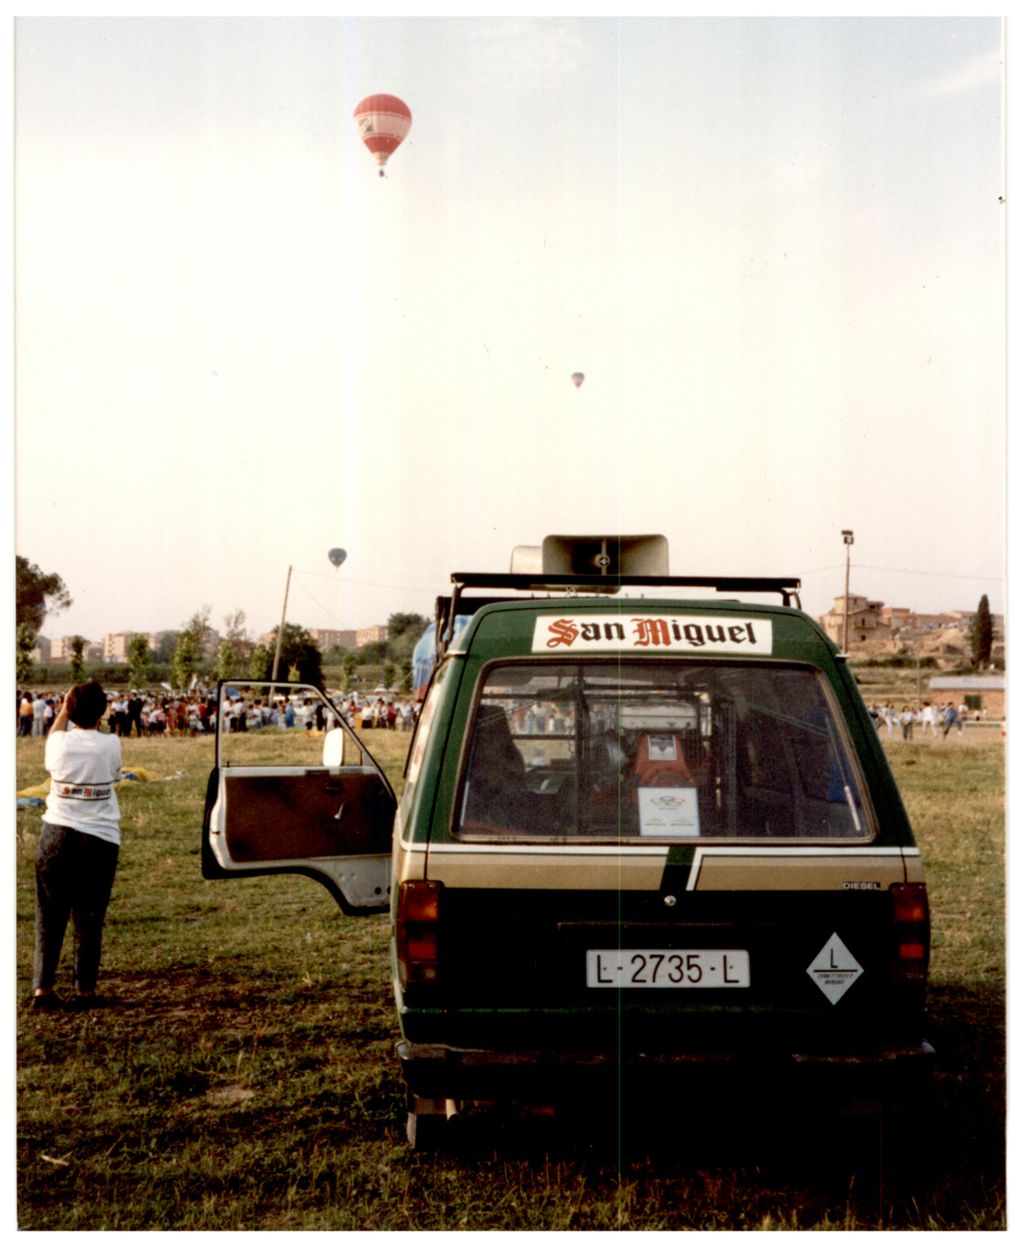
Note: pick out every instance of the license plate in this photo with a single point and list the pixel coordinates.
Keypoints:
(668, 968)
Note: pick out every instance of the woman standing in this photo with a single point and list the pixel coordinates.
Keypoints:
(78, 844)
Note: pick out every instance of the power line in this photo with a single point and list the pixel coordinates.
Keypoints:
(953, 576)
(328, 611)
(404, 589)
(867, 567)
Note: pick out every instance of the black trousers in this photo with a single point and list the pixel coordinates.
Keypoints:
(74, 877)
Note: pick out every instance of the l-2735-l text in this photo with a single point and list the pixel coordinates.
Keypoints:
(668, 968)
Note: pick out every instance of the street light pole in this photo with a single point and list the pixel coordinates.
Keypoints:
(847, 542)
(280, 631)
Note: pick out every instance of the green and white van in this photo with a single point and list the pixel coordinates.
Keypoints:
(644, 836)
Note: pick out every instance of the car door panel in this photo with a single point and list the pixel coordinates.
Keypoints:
(330, 822)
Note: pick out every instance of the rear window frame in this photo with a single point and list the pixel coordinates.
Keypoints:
(866, 807)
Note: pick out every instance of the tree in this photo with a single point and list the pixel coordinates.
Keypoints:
(348, 669)
(405, 628)
(38, 593)
(138, 659)
(235, 650)
(298, 650)
(228, 666)
(166, 641)
(981, 635)
(388, 674)
(77, 671)
(184, 661)
(25, 642)
(190, 648)
(261, 663)
(372, 652)
(198, 628)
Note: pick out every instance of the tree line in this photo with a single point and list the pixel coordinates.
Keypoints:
(185, 653)
(239, 657)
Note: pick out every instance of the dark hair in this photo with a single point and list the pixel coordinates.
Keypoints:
(86, 704)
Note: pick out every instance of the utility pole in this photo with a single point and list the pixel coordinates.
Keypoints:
(280, 631)
(847, 542)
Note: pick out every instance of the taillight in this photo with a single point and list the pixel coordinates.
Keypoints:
(418, 931)
(911, 928)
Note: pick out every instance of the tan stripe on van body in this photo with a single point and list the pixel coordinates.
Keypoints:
(793, 869)
(641, 868)
(566, 867)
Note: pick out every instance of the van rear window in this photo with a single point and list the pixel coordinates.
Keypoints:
(672, 750)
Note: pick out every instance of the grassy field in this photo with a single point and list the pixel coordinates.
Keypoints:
(244, 1075)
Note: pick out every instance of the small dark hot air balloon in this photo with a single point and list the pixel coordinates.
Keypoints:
(383, 121)
(336, 556)
(577, 380)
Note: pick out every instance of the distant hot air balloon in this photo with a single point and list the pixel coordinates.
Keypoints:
(336, 556)
(383, 121)
(577, 380)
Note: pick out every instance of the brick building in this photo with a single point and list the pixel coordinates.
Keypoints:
(115, 647)
(60, 650)
(379, 632)
(329, 638)
(980, 694)
(866, 623)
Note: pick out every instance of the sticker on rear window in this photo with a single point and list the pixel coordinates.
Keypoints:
(651, 633)
(668, 812)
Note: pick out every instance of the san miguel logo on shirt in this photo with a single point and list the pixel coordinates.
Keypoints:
(85, 792)
(652, 633)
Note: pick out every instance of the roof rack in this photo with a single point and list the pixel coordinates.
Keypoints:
(787, 586)
(448, 607)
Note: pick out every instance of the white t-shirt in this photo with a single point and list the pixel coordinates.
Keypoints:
(84, 766)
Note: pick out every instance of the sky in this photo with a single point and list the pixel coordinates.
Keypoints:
(775, 247)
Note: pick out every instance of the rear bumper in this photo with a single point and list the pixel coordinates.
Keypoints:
(440, 1072)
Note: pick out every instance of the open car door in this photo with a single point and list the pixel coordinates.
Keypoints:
(295, 790)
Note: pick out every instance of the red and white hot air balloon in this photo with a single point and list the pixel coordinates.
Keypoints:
(383, 121)
(577, 380)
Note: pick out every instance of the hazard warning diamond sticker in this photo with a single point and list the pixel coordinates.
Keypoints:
(835, 969)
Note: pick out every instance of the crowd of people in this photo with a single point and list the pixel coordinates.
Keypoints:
(36, 713)
(154, 714)
(127, 714)
(243, 714)
(931, 721)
